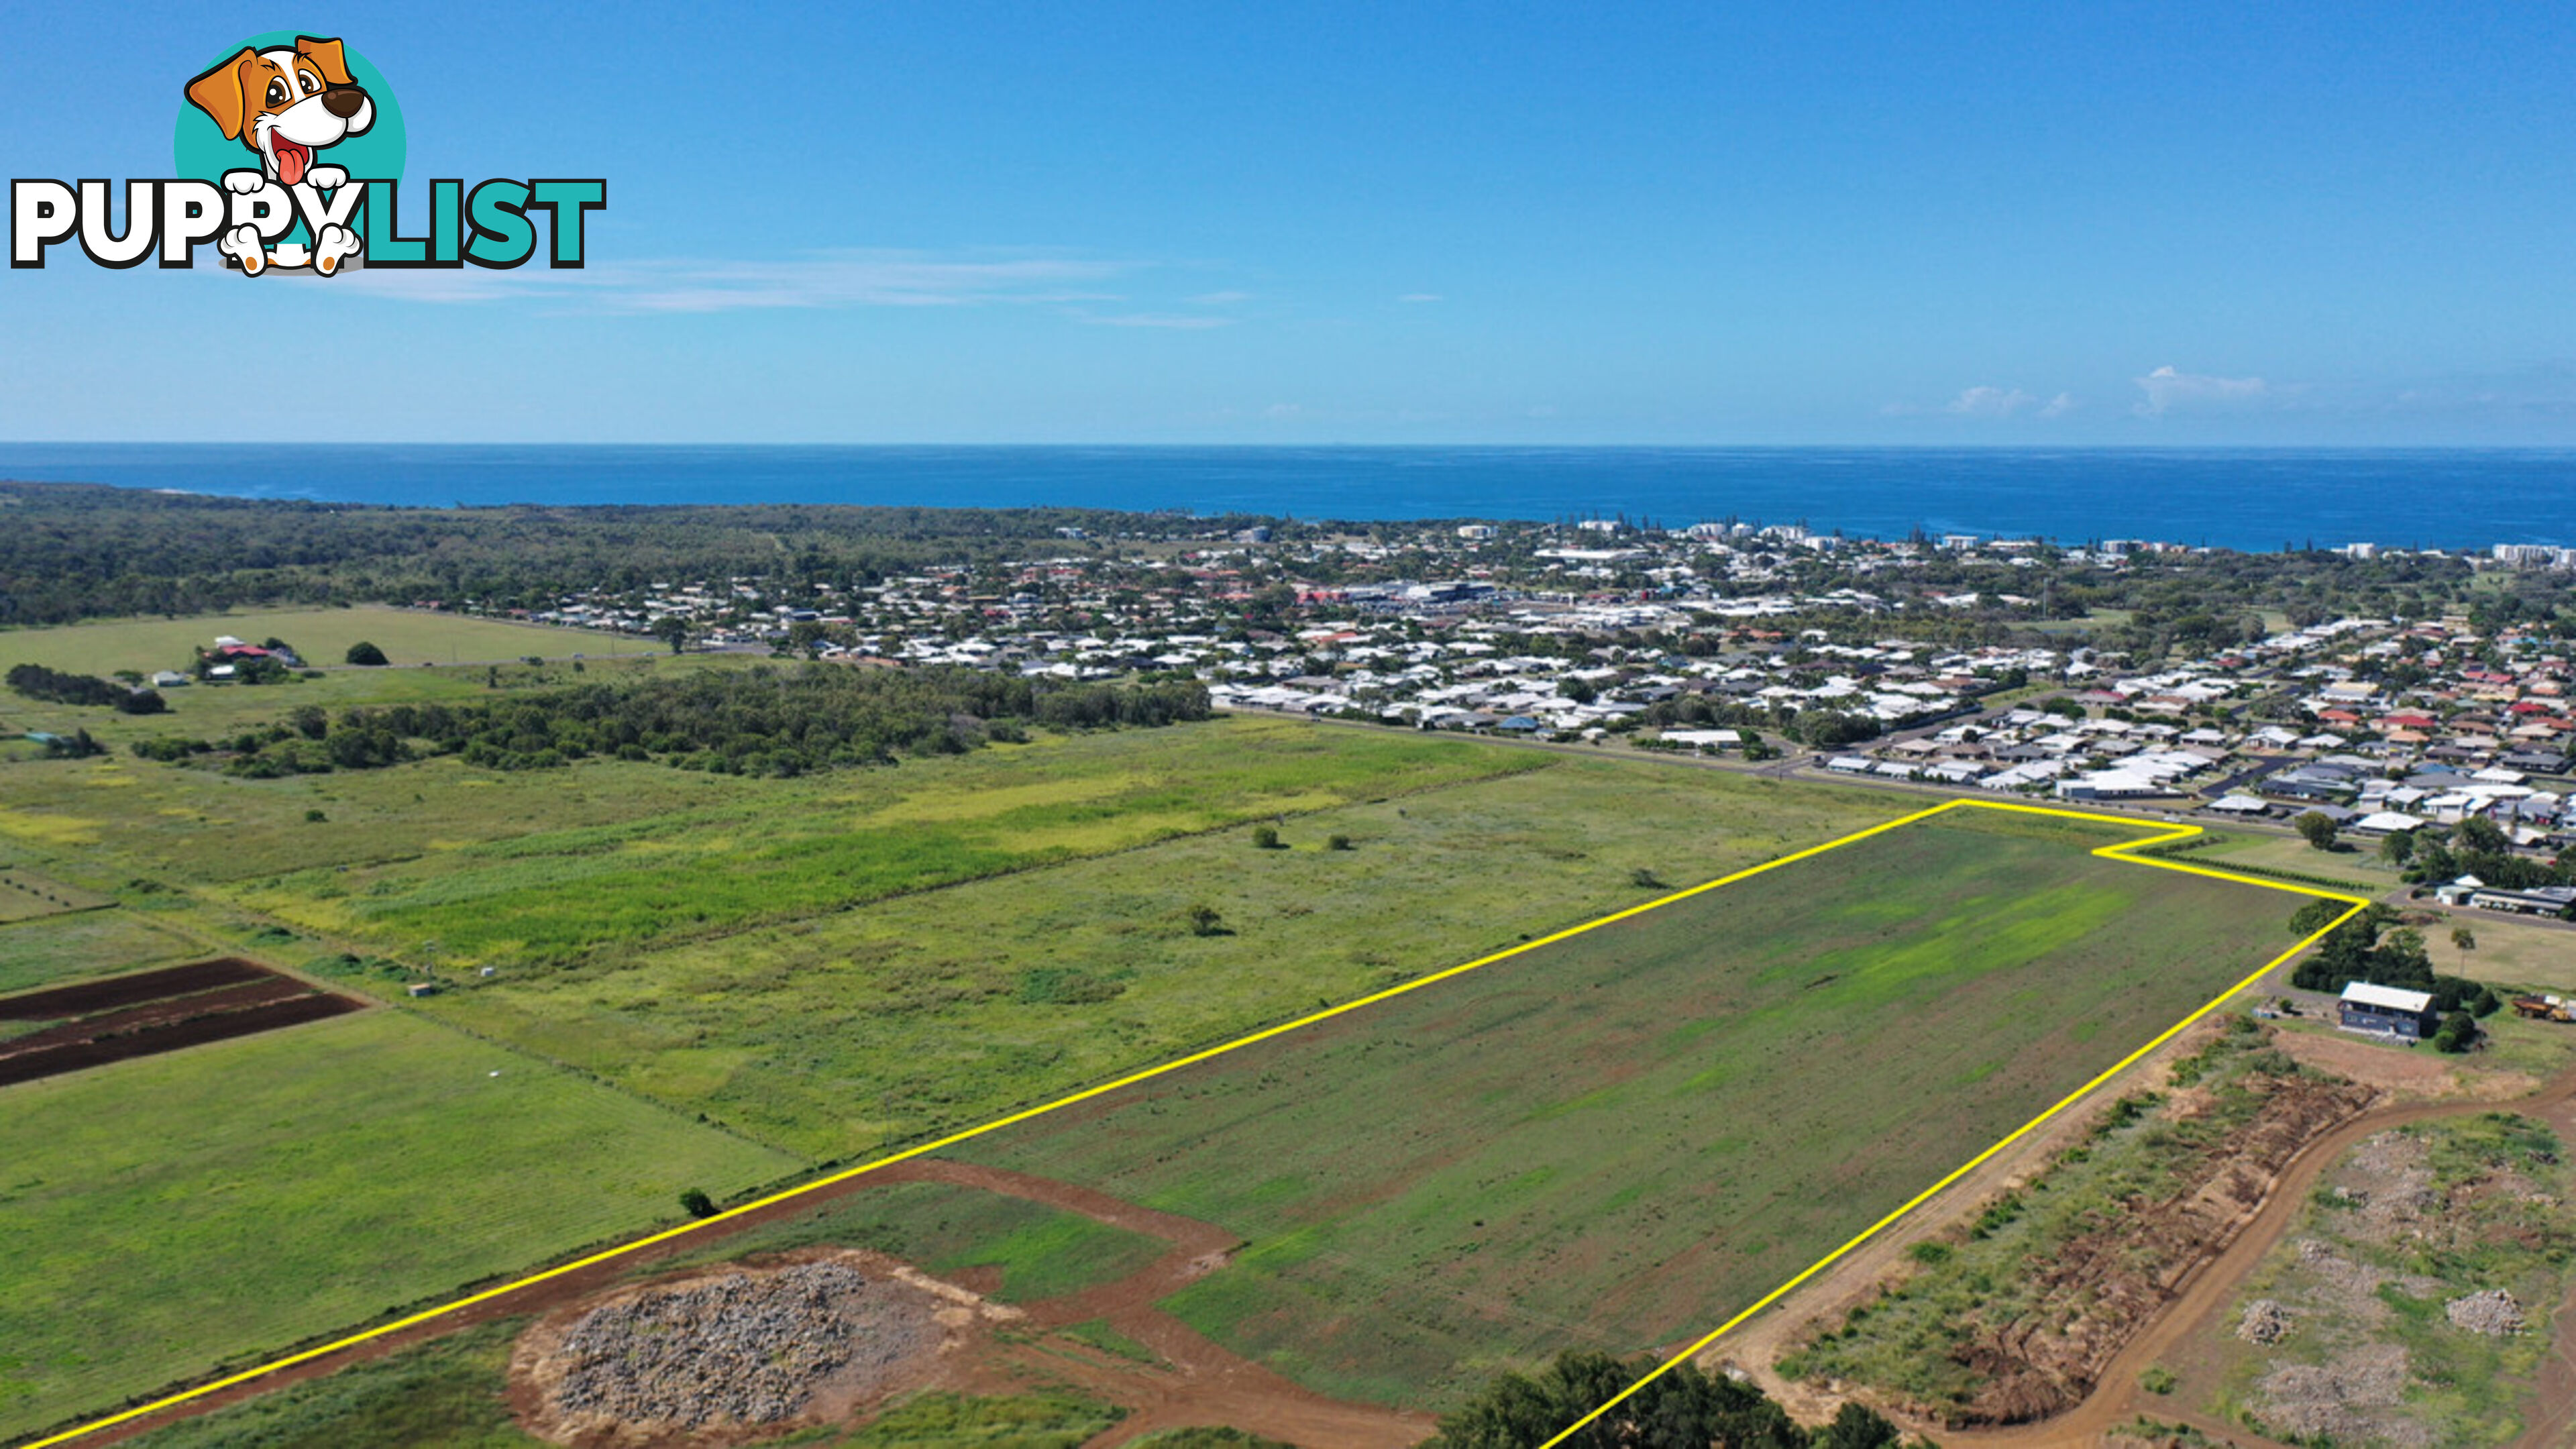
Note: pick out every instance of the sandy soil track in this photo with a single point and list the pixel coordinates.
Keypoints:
(2197, 1315)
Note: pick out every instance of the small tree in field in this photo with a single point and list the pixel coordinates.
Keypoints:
(363, 652)
(2318, 829)
(1266, 837)
(697, 1204)
(1337, 842)
(1204, 921)
(2464, 938)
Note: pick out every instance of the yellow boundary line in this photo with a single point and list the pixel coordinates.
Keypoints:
(2119, 852)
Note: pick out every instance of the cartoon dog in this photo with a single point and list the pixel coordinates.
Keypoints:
(286, 104)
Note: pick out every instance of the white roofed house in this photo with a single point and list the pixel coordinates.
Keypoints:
(2386, 1011)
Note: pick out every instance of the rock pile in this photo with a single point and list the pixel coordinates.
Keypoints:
(2265, 1321)
(740, 1348)
(2492, 1312)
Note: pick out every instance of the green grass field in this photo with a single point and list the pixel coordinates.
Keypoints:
(172, 1212)
(1041, 1252)
(844, 1033)
(216, 712)
(1618, 1140)
(803, 848)
(50, 949)
(320, 636)
(2357, 866)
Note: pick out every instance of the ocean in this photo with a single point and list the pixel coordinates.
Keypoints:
(2255, 499)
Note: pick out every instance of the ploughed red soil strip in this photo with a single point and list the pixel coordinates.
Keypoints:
(127, 1017)
(89, 996)
(157, 1013)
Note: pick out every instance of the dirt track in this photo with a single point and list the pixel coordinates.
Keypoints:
(2197, 1315)
(1204, 1384)
(1197, 1382)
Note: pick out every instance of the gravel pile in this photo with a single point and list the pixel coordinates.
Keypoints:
(2347, 1399)
(2492, 1312)
(2265, 1321)
(741, 1348)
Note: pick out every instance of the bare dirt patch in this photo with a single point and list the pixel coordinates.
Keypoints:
(2406, 1074)
(2102, 1287)
(85, 997)
(725, 1354)
(150, 1012)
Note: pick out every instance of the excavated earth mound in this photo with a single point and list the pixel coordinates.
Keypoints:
(706, 1359)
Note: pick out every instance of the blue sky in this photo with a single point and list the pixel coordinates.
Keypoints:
(2082, 224)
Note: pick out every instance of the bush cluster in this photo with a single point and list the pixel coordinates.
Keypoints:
(37, 682)
(1682, 1409)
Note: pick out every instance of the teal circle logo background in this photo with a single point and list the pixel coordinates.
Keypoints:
(200, 150)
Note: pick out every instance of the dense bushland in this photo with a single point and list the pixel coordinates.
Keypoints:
(1681, 1409)
(765, 720)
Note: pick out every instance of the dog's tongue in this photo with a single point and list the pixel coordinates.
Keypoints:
(292, 158)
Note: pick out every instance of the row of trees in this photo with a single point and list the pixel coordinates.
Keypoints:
(38, 682)
(2475, 846)
(768, 720)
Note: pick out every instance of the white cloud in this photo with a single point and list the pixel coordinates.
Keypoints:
(1184, 322)
(1989, 402)
(1219, 299)
(1422, 297)
(2167, 389)
(818, 280)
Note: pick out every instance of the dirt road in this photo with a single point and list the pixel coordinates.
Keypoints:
(1195, 1383)
(2197, 1315)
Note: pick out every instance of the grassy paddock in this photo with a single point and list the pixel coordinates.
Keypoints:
(321, 636)
(2529, 955)
(789, 849)
(1040, 1251)
(446, 1392)
(1616, 1141)
(841, 1034)
(216, 712)
(51, 949)
(177, 1211)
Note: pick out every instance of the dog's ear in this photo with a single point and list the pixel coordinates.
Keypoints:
(325, 55)
(219, 93)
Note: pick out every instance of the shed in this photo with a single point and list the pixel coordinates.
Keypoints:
(2386, 1011)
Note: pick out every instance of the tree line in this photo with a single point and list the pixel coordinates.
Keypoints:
(769, 721)
(75, 551)
(38, 682)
